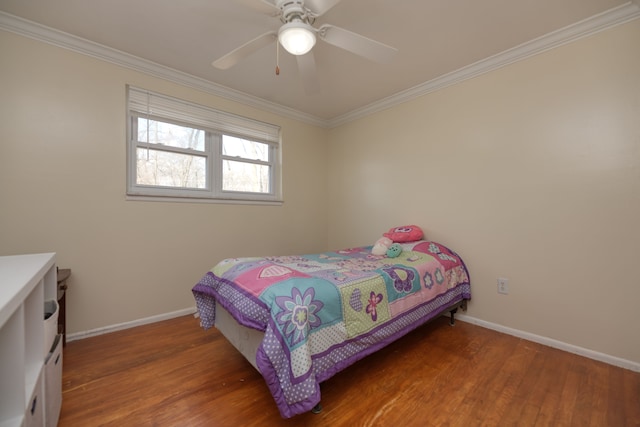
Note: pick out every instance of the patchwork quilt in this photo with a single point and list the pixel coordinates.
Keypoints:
(321, 313)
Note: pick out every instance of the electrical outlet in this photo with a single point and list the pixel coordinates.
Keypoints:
(503, 285)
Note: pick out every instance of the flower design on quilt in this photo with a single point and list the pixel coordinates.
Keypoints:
(428, 280)
(299, 314)
(439, 276)
(374, 300)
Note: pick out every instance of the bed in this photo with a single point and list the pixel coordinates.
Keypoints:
(299, 320)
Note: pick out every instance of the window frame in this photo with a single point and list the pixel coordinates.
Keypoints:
(143, 104)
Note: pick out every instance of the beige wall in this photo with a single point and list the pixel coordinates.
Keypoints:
(62, 189)
(530, 172)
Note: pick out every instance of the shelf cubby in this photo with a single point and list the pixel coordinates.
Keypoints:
(27, 281)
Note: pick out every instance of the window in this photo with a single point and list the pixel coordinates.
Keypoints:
(180, 149)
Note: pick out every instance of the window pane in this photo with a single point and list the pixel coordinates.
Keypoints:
(237, 147)
(170, 134)
(155, 167)
(246, 177)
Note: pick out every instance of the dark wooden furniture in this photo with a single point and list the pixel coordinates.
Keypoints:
(63, 275)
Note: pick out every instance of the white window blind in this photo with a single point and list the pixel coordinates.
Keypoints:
(155, 104)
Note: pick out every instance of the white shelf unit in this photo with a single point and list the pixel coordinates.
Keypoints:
(26, 281)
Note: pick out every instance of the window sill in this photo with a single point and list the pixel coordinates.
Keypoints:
(171, 199)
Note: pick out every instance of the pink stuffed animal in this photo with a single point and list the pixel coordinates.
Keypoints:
(407, 233)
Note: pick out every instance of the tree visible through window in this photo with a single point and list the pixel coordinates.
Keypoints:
(158, 164)
(245, 164)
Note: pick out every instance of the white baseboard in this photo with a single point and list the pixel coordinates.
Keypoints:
(126, 325)
(591, 354)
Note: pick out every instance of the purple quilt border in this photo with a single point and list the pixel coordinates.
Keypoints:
(225, 293)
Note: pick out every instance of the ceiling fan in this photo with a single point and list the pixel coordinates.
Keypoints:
(298, 36)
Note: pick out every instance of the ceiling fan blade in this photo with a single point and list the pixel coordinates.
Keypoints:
(308, 73)
(236, 55)
(319, 7)
(263, 6)
(355, 43)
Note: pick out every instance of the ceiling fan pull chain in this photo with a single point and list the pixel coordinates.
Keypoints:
(277, 58)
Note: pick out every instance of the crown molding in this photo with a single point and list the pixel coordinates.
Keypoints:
(64, 40)
(608, 19)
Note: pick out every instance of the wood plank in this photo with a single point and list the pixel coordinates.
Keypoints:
(172, 373)
(556, 367)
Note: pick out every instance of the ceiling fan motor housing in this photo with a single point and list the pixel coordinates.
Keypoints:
(293, 10)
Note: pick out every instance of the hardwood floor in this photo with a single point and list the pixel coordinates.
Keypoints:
(173, 373)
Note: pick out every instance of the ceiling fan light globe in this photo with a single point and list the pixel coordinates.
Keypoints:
(296, 38)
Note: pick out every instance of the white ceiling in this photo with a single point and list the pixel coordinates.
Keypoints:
(435, 38)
